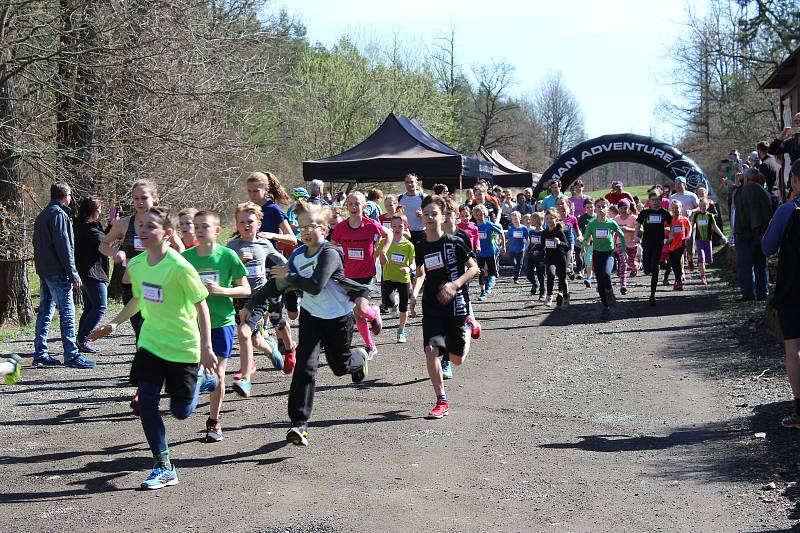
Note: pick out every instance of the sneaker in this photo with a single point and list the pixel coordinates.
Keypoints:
(632, 274)
(516, 282)
(298, 435)
(611, 298)
(677, 286)
(213, 431)
(208, 382)
(79, 362)
(549, 301)
(482, 296)
(289, 362)
(571, 275)
(160, 477)
(587, 283)
(605, 314)
(276, 352)
(277, 360)
(87, 347)
(559, 300)
(46, 361)
(371, 352)
(791, 421)
(242, 387)
(359, 375)
(447, 370)
(652, 300)
(665, 282)
(401, 336)
(475, 326)
(623, 290)
(376, 325)
(439, 410)
(13, 377)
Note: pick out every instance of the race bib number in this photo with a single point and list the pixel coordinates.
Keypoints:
(702, 222)
(387, 224)
(137, 243)
(549, 243)
(398, 258)
(602, 233)
(517, 234)
(677, 230)
(306, 269)
(654, 219)
(536, 239)
(482, 235)
(356, 254)
(153, 293)
(434, 261)
(211, 275)
(254, 271)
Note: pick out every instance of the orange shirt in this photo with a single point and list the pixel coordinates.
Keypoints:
(678, 232)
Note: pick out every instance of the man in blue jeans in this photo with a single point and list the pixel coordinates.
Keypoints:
(753, 212)
(54, 258)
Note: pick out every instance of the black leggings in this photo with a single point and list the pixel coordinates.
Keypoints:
(603, 264)
(534, 271)
(650, 264)
(676, 264)
(557, 269)
(388, 288)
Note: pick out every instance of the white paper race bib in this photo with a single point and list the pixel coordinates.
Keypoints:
(434, 261)
(355, 253)
(398, 258)
(137, 243)
(702, 222)
(517, 234)
(210, 275)
(482, 235)
(387, 224)
(676, 230)
(536, 239)
(255, 270)
(153, 293)
(654, 219)
(602, 233)
(549, 243)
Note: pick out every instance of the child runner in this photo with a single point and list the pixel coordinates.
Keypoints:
(468, 227)
(583, 221)
(356, 235)
(487, 251)
(571, 230)
(517, 239)
(444, 268)
(175, 335)
(650, 225)
(600, 234)
(556, 246)
(397, 273)
(186, 221)
(705, 224)
(626, 255)
(535, 259)
(225, 277)
(254, 253)
(680, 231)
(526, 221)
(326, 314)
(390, 204)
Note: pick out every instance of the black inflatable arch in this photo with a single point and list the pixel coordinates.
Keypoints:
(624, 147)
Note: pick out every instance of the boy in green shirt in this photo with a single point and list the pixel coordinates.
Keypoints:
(397, 273)
(175, 335)
(225, 277)
(600, 234)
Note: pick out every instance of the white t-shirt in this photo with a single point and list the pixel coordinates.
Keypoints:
(688, 200)
(410, 206)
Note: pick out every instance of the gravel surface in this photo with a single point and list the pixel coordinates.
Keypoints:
(558, 422)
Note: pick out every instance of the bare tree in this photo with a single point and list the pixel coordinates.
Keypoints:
(492, 105)
(559, 114)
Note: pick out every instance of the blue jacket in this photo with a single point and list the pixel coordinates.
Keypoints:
(54, 243)
(771, 240)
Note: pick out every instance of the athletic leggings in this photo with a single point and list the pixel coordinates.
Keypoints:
(650, 264)
(603, 263)
(152, 423)
(388, 288)
(576, 253)
(676, 264)
(557, 269)
(535, 273)
(516, 259)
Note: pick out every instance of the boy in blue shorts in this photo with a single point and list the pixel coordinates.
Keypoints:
(225, 277)
(175, 335)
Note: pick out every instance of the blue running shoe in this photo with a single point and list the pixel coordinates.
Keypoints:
(79, 362)
(208, 383)
(46, 361)
(243, 387)
(482, 296)
(277, 358)
(160, 477)
(447, 370)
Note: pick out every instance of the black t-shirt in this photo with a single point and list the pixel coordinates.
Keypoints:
(555, 252)
(444, 261)
(653, 222)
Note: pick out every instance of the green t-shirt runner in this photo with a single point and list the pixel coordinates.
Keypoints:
(704, 224)
(168, 293)
(602, 234)
(400, 254)
(223, 266)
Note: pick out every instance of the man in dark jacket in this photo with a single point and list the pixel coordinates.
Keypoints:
(53, 255)
(770, 167)
(788, 141)
(753, 212)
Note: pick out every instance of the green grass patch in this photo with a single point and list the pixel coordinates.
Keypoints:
(634, 190)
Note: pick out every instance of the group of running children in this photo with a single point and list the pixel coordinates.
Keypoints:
(187, 308)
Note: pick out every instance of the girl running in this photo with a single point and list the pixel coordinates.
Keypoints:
(488, 250)
(600, 234)
(679, 232)
(535, 260)
(556, 247)
(705, 226)
(517, 239)
(186, 221)
(626, 256)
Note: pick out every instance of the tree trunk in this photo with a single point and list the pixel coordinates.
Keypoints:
(15, 300)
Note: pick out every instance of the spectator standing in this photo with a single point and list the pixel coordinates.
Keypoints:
(788, 141)
(770, 167)
(316, 193)
(753, 212)
(54, 259)
(617, 194)
(373, 209)
(577, 200)
(92, 268)
(523, 207)
(411, 200)
(550, 200)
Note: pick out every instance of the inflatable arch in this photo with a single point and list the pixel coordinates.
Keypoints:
(623, 148)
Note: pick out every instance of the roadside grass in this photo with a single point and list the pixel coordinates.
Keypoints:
(635, 190)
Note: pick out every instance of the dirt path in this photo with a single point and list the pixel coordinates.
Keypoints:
(558, 422)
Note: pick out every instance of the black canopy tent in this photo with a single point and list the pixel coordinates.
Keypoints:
(398, 147)
(504, 172)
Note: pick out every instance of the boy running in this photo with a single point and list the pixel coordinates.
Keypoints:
(488, 250)
(517, 239)
(397, 273)
(225, 278)
(583, 221)
(600, 234)
(175, 335)
(650, 225)
(535, 260)
(444, 268)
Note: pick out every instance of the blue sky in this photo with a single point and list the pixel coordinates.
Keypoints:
(612, 55)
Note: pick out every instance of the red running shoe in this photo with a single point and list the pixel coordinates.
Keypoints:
(476, 327)
(439, 410)
(288, 362)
